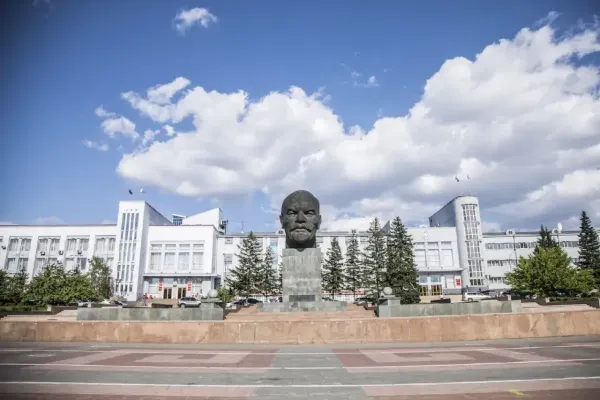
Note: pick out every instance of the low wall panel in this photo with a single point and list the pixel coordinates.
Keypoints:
(381, 330)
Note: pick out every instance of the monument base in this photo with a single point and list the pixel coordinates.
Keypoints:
(302, 306)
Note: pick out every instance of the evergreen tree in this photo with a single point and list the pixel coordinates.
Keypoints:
(375, 260)
(17, 284)
(100, 277)
(401, 273)
(589, 248)
(243, 277)
(354, 270)
(548, 272)
(4, 284)
(266, 279)
(546, 240)
(333, 269)
(279, 284)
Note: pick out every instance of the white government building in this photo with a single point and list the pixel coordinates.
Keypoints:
(150, 254)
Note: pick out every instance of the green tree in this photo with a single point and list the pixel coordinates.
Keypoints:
(4, 285)
(225, 294)
(100, 277)
(333, 269)
(266, 279)
(243, 277)
(548, 272)
(354, 270)
(589, 248)
(17, 284)
(53, 285)
(279, 281)
(401, 273)
(546, 240)
(375, 260)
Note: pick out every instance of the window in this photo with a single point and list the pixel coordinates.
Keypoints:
(69, 264)
(364, 239)
(169, 261)
(198, 247)
(319, 240)
(447, 255)
(419, 256)
(184, 248)
(197, 261)
(111, 244)
(109, 261)
(81, 263)
(155, 261)
(13, 245)
(423, 279)
(228, 258)
(11, 265)
(83, 245)
(228, 240)
(435, 278)
(52, 261)
(184, 261)
(156, 246)
(71, 245)
(25, 245)
(38, 266)
(273, 242)
(433, 254)
(22, 264)
(423, 291)
(42, 245)
(100, 246)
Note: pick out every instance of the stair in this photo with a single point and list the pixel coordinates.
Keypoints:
(251, 313)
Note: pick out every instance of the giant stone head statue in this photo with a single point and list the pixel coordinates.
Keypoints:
(300, 218)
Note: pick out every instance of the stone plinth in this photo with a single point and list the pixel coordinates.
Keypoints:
(301, 275)
(434, 309)
(301, 284)
(208, 312)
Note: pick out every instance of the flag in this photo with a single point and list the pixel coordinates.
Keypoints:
(457, 180)
(468, 177)
(130, 192)
(142, 190)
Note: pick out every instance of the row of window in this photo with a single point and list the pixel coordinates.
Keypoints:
(51, 245)
(173, 256)
(526, 245)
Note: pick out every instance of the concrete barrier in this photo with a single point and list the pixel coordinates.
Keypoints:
(375, 330)
(434, 309)
(150, 314)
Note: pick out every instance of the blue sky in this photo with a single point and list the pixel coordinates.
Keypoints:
(66, 58)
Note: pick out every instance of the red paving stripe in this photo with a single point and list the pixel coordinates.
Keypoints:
(573, 394)
(508, 386)
(146, 368)
(424, 358)
(113, 390)
(455, 367)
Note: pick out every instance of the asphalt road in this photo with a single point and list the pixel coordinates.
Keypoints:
(554, 368)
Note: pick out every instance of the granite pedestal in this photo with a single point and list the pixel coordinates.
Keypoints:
(301, 284)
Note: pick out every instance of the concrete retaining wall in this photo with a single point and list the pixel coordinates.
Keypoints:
(150, 314)
(375, 330)
(434, 309)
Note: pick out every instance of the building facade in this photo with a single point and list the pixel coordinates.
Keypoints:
(170, 259)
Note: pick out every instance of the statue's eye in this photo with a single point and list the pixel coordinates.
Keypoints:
(310, 212)
(291, 212)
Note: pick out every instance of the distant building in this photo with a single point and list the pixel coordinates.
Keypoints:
(149, 254)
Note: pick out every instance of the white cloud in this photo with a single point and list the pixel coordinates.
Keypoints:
(521, 120)
(149, 136)
(185, 19)
(7, 223)
(48, 221)
(102, 113)
(169, 130)
(371, 82)
(90, 144)
(119, 125)
(162, 94)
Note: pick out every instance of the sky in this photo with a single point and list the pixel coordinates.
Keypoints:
(381, 109)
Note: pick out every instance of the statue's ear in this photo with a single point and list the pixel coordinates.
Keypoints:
(319, 220)
(281, 220)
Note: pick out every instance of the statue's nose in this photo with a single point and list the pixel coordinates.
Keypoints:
(300, 217)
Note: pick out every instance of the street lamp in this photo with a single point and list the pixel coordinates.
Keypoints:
(511, 232)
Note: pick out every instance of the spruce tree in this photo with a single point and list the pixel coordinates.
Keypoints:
(375, 260)
(589, 248)
(333, 269)
(546, 240)
(266, 279)
(244, 276)
(354, 271)
(401, 273)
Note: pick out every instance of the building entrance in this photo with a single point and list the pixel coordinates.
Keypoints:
(181, 292)
(167, 293)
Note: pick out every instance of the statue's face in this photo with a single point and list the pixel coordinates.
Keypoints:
(300, 219)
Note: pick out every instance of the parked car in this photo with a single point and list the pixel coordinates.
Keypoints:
(188, 302)
(253, 301)
(475, 296)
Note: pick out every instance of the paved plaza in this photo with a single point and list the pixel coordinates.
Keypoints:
(553, 368)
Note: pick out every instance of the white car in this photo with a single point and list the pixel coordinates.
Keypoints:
(475, 296)
(188, 302)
